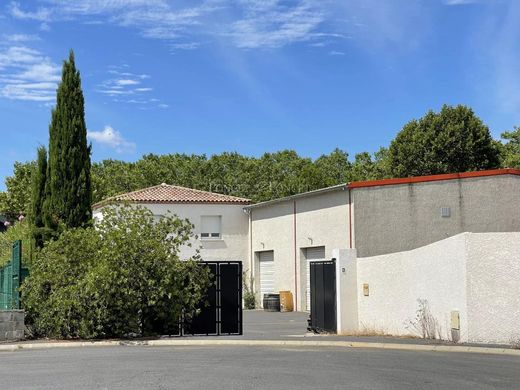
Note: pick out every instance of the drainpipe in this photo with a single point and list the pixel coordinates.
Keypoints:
(350, 217)
(295, 260)
(249, 212)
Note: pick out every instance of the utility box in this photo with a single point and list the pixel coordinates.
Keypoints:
(455, 326)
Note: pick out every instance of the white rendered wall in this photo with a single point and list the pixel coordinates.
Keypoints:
(493, 287)
(436, 272)
(232, 246)
(476, 274)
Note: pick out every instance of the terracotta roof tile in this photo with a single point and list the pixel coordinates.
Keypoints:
(165, 193)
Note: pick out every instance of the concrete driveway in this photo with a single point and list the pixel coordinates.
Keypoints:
(262, 325)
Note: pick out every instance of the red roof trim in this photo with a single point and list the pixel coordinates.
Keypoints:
(425, 179)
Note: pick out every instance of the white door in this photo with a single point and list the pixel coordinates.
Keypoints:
(312, 254)
(266, 260)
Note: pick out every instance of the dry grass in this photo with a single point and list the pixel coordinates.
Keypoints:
(369, 331)
(515, 342)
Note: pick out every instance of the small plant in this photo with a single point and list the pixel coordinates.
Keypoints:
(249, 295)
(515, 342)
(424, 322)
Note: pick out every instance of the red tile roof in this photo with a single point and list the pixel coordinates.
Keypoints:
(424, 179)
(165, 193)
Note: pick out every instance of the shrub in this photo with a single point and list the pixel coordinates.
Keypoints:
(122, 277)
(424, 323)
(249, 295)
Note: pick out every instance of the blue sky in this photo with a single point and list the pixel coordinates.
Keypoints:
(209, 76)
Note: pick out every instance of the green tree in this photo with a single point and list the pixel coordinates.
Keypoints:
(452, 140)
(123, 277)
(68, 185)
(334, 168)
(38, 197)
(510, 151)
(17, 197)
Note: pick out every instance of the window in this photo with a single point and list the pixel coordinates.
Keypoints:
(210, 227)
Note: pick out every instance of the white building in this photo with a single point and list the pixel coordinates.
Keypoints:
(221, 225)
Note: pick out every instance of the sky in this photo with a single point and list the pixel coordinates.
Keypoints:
(253, 76)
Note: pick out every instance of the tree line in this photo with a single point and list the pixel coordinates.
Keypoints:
(451, 140)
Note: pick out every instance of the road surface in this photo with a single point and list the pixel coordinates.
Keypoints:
(240, 367)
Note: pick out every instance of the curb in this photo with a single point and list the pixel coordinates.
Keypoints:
(263, 343)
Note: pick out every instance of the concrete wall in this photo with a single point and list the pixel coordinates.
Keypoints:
(477, 275)
(396, 218)
(12, 325)
(233, 244)
(321, 220)
(436, 272)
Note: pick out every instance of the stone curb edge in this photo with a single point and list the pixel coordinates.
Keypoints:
(266, 343)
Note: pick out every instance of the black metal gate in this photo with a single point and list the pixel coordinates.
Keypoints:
(223, 314)
(323, 296)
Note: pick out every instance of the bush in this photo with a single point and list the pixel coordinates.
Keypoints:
(249, 295)
(120, 278)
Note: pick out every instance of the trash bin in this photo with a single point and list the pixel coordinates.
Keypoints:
(271, 302)
(286, 301)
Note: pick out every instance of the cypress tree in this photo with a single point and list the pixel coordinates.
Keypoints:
(68, 185)
(38, 196)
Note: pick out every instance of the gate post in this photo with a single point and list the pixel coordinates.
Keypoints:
(346, 290)
(16, 267)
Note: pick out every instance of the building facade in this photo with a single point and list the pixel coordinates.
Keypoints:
(221, 227)
(375, 218)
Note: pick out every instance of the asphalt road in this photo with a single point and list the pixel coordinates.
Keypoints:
(253, 368)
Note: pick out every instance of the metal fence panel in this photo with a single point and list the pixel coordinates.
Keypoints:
(11, 277)
(221, 310)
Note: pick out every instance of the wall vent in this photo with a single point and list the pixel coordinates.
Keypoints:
(445, 212)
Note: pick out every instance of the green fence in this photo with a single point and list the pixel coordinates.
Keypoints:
(11, 277)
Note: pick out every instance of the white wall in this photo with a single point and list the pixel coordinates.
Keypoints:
(493, 285)
(476, 274)
(396, 281)
(235, 228)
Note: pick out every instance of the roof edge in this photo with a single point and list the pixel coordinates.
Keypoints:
(109, 202)
(297, 196)
(115, 199)
(430, 178)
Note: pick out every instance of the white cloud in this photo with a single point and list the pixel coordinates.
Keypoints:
(459, 2)
(26, 74)
(336, 53)
(113, 139)
(185, 46)
(128, 87)
(40, 14)
(123, 82)
(20, 37)
(271, 24)
(249, 23)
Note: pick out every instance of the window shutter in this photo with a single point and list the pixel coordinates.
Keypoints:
(211, 224)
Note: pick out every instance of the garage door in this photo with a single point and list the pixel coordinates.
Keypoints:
(266, 273)
(314, 253)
